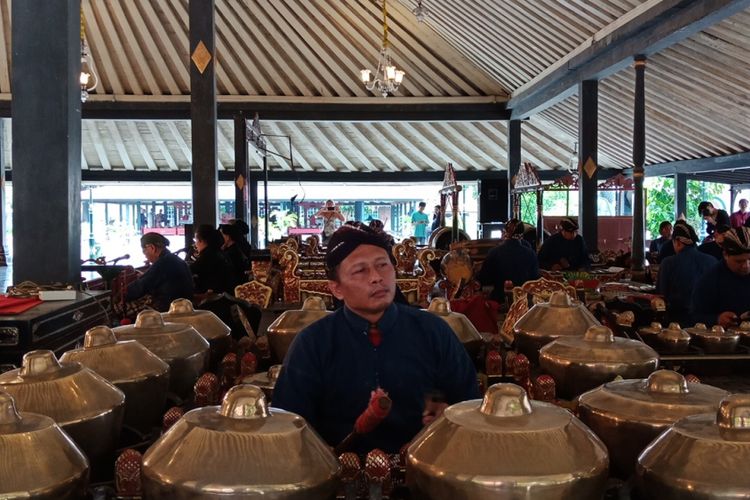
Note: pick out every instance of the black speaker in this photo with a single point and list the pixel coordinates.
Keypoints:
(493, 200)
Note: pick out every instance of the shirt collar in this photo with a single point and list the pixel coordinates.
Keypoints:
(359, 324)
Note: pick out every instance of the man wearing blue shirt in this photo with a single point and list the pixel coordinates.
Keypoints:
(370, 343)
(678, 273)
(419, 220)
(722, 294)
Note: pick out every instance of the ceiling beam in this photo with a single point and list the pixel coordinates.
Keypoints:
(700, 165)
(362, 109)
(645, 30)
(144, 176)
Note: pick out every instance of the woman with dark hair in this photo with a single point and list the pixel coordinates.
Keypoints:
(211, 269)
(244, 229)
(232, 251)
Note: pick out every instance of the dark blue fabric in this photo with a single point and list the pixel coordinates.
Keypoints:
(717, 291)
(677, 277)
(511, 260)
(212, 271)
(657, 244)
(331, 368)
(167, 279)
(713, 249)
(556, 247)
(667, 250)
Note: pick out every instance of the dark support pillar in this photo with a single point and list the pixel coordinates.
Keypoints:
(203, 112)
(680, 195)
(240, 167)
(359, 211)
(639, 158)
(253, 201)
(46, 149)
(514, 160)
(3, 260)
(588, 134)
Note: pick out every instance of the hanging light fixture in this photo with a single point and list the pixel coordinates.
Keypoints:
(420, 12)
(88, 78)
(387, 78)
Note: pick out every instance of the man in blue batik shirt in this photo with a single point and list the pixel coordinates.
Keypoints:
(335, 363)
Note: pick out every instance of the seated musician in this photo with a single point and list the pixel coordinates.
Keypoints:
(662, 242)
(231, 237)
(713, 247)
(370, 343)
(722, 295)
(678, 273)
(211, 269)
(565, 250)
(168, 278)
(512, 260)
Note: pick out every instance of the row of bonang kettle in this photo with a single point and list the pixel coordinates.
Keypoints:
(504, 446)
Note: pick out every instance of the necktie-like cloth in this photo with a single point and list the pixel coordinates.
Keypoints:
(374, 334)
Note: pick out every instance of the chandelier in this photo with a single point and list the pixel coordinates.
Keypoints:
(387, 78)
(88, 79)
(420, 12)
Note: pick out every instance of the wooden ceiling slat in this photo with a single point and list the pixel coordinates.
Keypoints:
(430, 48)
(176, 62)
(260, 65)
(324, 63)
(5, 43)
(451, 134)
(141, 145)
(156, 135)
(138, 58)
(152, 40)
(106, 58)
(116, 48)
(369, 141)
(409, 139)
(99, 146)
(389, 137)
(119, 143)
(298, 140)
(179, 139)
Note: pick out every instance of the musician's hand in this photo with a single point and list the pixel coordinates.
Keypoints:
(432, 411)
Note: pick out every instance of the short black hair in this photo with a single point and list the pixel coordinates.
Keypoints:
(664, 224)
(704, 205)
(209, 234)
(422, 204)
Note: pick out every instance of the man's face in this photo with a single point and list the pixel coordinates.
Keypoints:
(718, 237)
(329, 204)
(743, 205)
(568, 235)
(366, 281)
(421, 208)
(666, 231)
(150, 252)
(738, 264)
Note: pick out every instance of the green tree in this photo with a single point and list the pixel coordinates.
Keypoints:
(660, 201)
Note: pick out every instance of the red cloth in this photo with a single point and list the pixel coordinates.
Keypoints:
(15, 305)
(374, 334)
(481, 312)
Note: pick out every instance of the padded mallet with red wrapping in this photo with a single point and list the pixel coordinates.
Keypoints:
(377, 409)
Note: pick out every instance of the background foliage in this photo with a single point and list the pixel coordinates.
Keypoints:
(660, 202)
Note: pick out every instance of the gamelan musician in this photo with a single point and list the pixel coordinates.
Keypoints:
(372, 344)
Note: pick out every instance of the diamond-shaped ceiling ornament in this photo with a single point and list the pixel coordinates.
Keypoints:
(201, 57)
(589, 167)
(240, 182)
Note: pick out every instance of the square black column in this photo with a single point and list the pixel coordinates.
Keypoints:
(204, 171)
(46, 149)
(588, 136)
